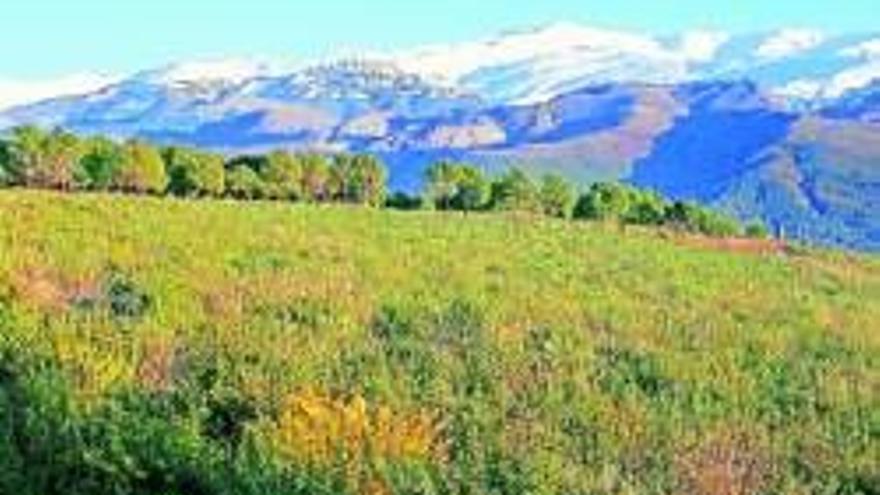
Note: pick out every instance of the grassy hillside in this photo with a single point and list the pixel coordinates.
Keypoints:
(157, 346)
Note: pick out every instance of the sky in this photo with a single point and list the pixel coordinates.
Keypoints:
(41, 39)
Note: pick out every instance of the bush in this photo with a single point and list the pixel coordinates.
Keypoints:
(125, 299)
(402, 201)
(757, 230)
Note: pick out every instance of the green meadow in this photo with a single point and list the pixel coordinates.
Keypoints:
(174, 347)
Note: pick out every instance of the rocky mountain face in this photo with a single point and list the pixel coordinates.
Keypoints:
(781, 126)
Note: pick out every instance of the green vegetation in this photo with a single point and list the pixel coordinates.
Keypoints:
(165, 346)
(60, 160)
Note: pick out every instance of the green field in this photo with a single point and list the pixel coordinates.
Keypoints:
(162, 346)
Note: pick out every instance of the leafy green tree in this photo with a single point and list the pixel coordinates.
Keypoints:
(694, 218)
(62, 154)
(194, 173)
(257, 163)
(7, 177)
(315, 179)
(456, 186)
(645, 208)
(472, 189)
(442, 184)
(244, 183)
(283, 176)
(604, 201)
(515, 191)
(43, 159)
(358, 179)
(141, 170)
(557, 196)
(26, 150)
(100, 163)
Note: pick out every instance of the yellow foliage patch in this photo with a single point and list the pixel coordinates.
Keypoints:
(316, 428)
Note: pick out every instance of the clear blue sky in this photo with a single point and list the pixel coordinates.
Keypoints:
(40, 38)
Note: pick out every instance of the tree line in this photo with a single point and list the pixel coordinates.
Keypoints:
(57, 159)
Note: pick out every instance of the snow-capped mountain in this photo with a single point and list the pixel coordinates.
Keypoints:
(529, 66)
(535, 65)
(802, 67)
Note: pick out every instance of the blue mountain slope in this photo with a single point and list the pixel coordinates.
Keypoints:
(707, 152)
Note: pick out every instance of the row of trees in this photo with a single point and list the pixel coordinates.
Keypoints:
(60, 160)
(464, 187)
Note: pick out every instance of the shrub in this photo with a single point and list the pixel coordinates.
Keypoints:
(125, 299)
(757, 230)
(402, 201)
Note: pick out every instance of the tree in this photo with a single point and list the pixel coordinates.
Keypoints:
(557, 196)
(283, 175)
(645, 208)
(694, 218)
(62, 153)
(141, 170)
(472, 189)
(358, 179)
(515, 191)
(442, 184)
(604, 201)
(244, 183)
(99, 164)
(26, 151)
(7, 176)
(315, 179)
(42, 159)
(194, 173)
(456, 186)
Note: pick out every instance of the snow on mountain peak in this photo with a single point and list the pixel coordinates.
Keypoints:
(525, 66)
(788, 42)
(702, 46)
(453, 62)
(869, 50)
(233, 71)
(18, 92)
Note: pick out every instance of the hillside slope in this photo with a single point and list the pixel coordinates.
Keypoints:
(163, 346)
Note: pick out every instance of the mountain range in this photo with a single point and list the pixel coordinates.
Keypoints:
(781, 126)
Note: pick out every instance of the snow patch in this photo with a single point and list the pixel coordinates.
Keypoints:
(866, 50)
(789, 42)
(232, 71)
(855, 78)
(702, 46)
(19, 92)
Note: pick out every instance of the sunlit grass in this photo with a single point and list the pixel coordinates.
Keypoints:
(577, 357)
